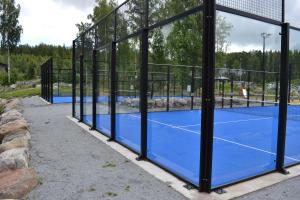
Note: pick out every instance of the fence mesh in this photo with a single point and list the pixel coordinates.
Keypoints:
(271, 9)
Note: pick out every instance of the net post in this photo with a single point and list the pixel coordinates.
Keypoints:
(284, 72)
(182, 86)
(208, 102)
(58, 84)
(290, 82)
(263, 87)
(193, 88)
(277, 87)
(152, 85)
(231, 91)
(248, 88)
(223, 92)
(168, 89)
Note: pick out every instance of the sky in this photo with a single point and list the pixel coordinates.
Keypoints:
(53, 22)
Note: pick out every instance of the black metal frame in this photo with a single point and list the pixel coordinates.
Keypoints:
(47, 81)
(209, 9)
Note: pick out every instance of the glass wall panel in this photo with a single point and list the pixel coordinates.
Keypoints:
(103, 97)
(175, 57)
(78, 51)
(246, 115)
(292, 151)
(128, 118)
(129, 18)
(88, 78)
(164, 9)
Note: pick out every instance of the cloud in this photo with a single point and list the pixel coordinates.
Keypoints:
(79, 4)
(49, 22)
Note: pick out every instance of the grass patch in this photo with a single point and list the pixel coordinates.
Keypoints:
(109, 165)
(127, 188)
(1, 109)
(40, 180)
(21, 93)
(111, 194)
(92, 189)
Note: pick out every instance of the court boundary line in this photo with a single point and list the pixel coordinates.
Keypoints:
(218, 138)
(228, 122)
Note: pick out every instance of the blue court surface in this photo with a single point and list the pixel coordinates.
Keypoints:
(245, 141)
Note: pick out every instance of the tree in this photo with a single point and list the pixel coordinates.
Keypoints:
(10, 29)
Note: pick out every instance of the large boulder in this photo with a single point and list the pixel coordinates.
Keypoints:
(10, 116)
(18, 183)
(20, 134)
(13, 104)
(14, 159)
(12, 127)
(20, 142)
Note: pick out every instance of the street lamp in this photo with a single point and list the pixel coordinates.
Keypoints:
(264, 36)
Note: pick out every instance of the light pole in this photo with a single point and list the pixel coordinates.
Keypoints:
(264, 36)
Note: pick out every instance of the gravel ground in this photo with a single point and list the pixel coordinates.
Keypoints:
(74, 165)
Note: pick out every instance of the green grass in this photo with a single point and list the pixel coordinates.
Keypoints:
(1, 109)
(21, 93)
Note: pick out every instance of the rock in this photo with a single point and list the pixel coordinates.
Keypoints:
(13, 104)
(16, 184)
(19, 134)
(2, 102)
(10, 116)
(21, 142)
(14, 159)
(12, 127)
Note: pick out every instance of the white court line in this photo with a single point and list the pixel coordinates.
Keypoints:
(228, 122)
(217, 138)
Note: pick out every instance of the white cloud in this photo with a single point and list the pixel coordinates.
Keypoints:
(50, 22)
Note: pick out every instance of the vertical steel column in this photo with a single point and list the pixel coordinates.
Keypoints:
(207, 124)
(95, 90)
(144, 82)
(73, 79)
(81, 88)
(284, 71)
(51, 80)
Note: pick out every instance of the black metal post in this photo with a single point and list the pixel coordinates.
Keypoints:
(51, 80)
(113, 91)
(182, 88)
(207, 124)
(95, 90)
(81, 88)
(73, 78)
(144, 82)
(58, 84)
(248, 88)
(284, 71)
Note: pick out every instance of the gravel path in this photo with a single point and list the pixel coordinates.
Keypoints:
(75, 165)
